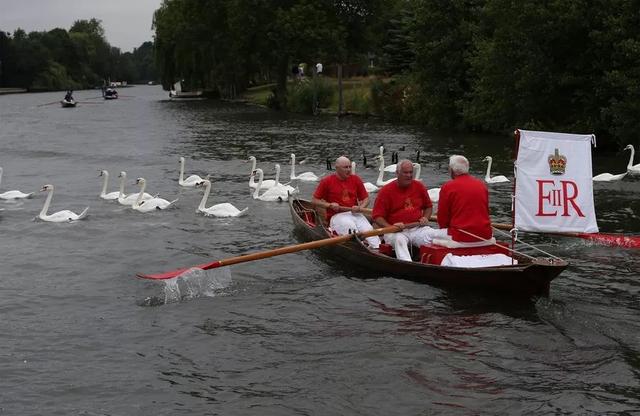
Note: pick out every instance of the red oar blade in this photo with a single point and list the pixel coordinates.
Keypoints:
(178, 272)
(616, 240)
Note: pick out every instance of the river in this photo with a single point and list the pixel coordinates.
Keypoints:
(290, 335)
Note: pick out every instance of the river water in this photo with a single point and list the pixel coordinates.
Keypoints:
(291, 335)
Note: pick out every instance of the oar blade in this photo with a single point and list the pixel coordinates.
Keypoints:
(175, 273)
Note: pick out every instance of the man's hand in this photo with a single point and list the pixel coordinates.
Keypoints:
(355, 209)
(334, 206)
(400, 225)
(423, 221)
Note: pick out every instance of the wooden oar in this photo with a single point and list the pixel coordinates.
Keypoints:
(275, 252)
(53, 102)
(613, 240)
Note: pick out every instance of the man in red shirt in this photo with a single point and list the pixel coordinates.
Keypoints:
(343, 195)
(404, 201)
(464, 204)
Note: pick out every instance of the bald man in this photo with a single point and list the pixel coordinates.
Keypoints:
(401, 202)
(344, 196)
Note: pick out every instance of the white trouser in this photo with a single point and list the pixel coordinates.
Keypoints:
(417, 236)
(343, 222)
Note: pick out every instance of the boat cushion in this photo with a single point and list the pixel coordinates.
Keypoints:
(478, 260)
(433, 254)
(448, 242)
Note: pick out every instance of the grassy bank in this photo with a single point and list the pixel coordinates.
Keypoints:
(356, 94)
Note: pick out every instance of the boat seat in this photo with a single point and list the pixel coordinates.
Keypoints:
(309, 218)
(433, 254)
(448, 242)
(386, 249)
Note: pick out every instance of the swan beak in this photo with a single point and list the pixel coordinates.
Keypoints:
(44, 188)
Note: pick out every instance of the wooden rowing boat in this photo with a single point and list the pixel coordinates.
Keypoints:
(529, 277)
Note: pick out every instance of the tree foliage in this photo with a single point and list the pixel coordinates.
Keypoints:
(60, 59)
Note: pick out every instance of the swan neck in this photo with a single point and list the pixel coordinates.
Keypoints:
(488, 174)
(417, 172)
(181, 178)
(277, 180)
(123, 178)
(1, 170)
(256, 193)
(203, 202)
(141, 194)
(104, 183)
(47, 202)
(629, 166)
(293, 167)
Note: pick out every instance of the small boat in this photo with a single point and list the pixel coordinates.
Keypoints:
(529, 277)
(110, 94)
(68, 103)
(177, 93)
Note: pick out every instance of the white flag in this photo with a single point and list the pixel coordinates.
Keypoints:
(554, 190)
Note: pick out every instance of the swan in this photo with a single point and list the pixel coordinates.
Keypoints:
(607, 177)
(285, 186)
(219, 210)
(379, 181)
(15, 194)
(487, 176)
(148, 205)
(191, 181)
(103, 194)
(266, 184)
(275, 194)
(371, 188)
(305, 177)
(392, 167)
(60, 216)
(434, 193)
(125, 199)
(631, 168)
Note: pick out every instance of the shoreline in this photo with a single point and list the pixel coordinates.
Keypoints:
(12, 91)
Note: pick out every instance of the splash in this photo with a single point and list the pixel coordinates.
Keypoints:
(192, 284)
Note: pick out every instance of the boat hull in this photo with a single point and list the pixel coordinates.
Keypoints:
(528, 278)
(67, 104)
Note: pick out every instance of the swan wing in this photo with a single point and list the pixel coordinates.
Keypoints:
(110, 196)
(64, 216)
(390, 168)
(224, 210)
(497, 179)
(371, 188)
(15, 194)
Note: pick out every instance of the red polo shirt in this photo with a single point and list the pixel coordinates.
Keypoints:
(405, 205)
(345, 192)
(464, 205)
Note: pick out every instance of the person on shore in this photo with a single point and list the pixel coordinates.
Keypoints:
(464, 204)
(402, 202)
(343, 196)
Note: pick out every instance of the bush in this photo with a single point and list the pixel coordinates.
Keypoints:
(301, 94)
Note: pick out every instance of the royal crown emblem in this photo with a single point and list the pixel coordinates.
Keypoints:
(557, 163)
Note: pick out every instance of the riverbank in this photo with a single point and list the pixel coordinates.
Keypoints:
(12, 91)
(356, 93)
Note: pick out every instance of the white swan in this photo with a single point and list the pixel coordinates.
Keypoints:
(219, 210)
(15, 194)
(434, 193)
(487, 176)
(631, 168)
(149, 205)
(60, 216)
(275, 194)
(191, 181)
(103, 194)
(266, 184)
(379, 181)
(393, 166)
(305, 177)
(285, 186)
(125, 199)
(608, 177)
(370, 188)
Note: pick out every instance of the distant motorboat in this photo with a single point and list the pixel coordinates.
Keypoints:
(178, 94)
